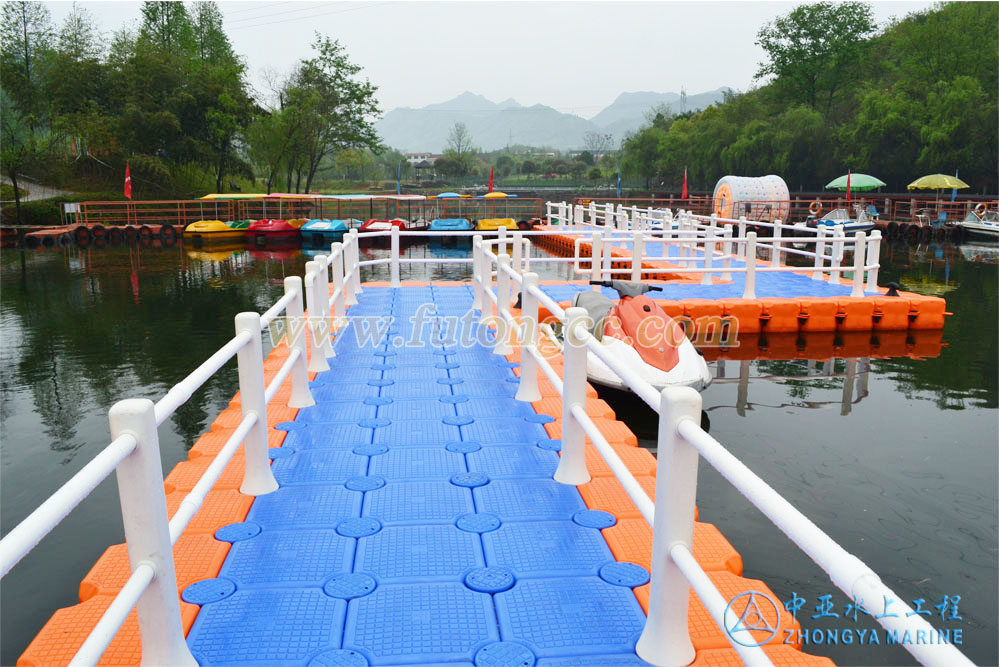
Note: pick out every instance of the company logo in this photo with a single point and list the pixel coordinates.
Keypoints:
(749, 612)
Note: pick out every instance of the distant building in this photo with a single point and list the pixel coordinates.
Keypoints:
(416, 158)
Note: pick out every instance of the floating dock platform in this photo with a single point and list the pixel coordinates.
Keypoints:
(416, 523)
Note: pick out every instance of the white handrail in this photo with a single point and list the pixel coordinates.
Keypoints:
(665, 640)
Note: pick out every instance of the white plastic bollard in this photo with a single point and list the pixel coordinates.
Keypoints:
(820, 251)
(394, 257)
(596, 258)
(775, 252)
(339, 302)
(528, 388)
(666, 639)
(709, 255)
(859, 257)
(301, 396)
(258, 479)
(349, 298)
(355, 259)
(147, 531)
(727, 253)
(572, 464)
(517, 260)
(502, 343)
(873, 260)
(749, 292)
(742, 234)
(322, 287)
(637, 250)
(317, 354)
(837, 254)
(477, 271)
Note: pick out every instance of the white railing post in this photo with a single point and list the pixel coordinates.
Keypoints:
(572, 464)
(394, 257)
(548, 212)
(315, 322)
(742, 235)
(528, 388)
(596, 258)
(301, 397)
(349, 298)
(147, 532)
(258, 478)
(637, 250)
(355, 258)
(859, 258)
(666, 639)
(775, 251)
(749, 292)
(727, 253)
(820, 251)
(593, 212)
(339, 303)
(837, 254)
(873, 260)
(517, 260)
(477, 271)
(502, 343)
(709, 255)
(322, 287)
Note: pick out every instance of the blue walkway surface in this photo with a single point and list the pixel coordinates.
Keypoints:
(417, 522)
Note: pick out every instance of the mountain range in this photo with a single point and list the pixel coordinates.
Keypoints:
(494, 125)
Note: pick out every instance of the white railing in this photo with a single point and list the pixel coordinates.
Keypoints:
(134, 455)
(708, 245)
(665, 640)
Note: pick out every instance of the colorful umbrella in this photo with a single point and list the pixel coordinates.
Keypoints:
(938, 182)
(857, 182)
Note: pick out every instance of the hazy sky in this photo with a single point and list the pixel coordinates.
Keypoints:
(573, 56)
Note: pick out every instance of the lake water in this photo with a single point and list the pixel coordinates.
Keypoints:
(904, 475)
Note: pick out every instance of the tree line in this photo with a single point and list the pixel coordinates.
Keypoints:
(170, 98)
(917, 97)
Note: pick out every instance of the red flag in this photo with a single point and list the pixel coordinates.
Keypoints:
(847, 186)
(683, 195)
(128, 182)
(490, 179)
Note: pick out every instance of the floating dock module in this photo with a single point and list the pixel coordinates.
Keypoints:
(416, 523)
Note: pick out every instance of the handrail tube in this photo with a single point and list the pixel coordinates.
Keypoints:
(114, 616)
(301, 395)
(572, 464)
(192, 502)
(645, 505)
(375, 262)
(548, 303)
(282, 373)
(847, 572)
(34, 527)
(147, 529)
(258, 479)
(275, 310)
(713, 601)
(183, 390)
(549, 371)
(635, 382)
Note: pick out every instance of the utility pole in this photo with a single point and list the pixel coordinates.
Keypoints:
(683, 99)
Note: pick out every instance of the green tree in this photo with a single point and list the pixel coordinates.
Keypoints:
(528, 167)
(460, 149)
(813, 50)
(167, 27)
(25, 39)
(504, 165)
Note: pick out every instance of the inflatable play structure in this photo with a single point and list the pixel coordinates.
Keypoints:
(758, 198)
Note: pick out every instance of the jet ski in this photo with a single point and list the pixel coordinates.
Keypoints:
(657, 349)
